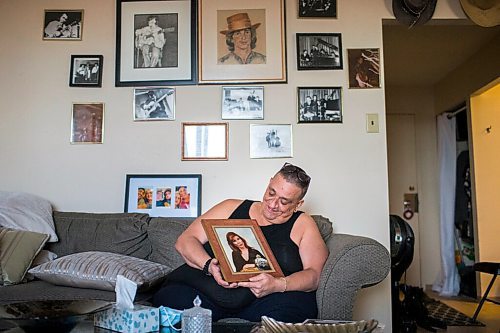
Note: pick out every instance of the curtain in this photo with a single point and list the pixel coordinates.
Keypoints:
(448, 280)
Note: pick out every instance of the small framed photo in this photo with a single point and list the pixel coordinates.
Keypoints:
(87, 123)
(155, 42)
(205, 141)
(154, 103)
(63, 24)
(271, 140)
(317, 8)
(319, 104)
(164, 195)
(364, 68)
(319, 51)
(86, 71)
(243, 102)
(242, 42)
(229, 238)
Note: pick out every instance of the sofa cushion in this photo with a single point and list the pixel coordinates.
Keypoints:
(162, 233)
(24, 211)
(124, 233)
(98, 270)
(324, 225)
(18, 248)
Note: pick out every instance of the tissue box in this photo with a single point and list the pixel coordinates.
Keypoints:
(141, 319)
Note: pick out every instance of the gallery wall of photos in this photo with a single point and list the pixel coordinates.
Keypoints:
(194, 43)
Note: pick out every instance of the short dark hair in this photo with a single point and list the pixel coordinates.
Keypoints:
(296, 175)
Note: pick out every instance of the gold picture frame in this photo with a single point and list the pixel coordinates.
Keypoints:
(87, 123)
(226, 236)
(263, 61)
(205, 141)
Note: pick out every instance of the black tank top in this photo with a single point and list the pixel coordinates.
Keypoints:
(278, 237)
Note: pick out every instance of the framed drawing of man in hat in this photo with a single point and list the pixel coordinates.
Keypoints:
(242, 42)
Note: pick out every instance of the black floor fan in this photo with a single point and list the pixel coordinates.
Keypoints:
(411, 311)
(402, 247)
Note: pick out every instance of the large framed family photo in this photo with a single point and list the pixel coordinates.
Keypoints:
(155, 42)
(164, 195)
(241, 249)
(242, 41)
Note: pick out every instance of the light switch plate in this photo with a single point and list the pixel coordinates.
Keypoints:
(372, 123)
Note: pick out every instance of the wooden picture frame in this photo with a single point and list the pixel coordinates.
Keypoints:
(87, 123)
(163, 53)
(319, 105)
(364, 68)
(263, 61)
(205, 141)
(154, 103)
(242, 232)
(319, 51)
(86, 71)
(243, 102)
(164, 195)
(271, 141)
(63, 24)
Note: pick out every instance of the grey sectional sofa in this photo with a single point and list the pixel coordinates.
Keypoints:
(354, 262)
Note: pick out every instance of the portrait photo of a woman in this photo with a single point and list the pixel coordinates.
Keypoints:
(245, 258)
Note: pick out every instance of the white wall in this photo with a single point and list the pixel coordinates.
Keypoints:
(347, 165)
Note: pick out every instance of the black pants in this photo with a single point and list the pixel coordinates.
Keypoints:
(291, 306)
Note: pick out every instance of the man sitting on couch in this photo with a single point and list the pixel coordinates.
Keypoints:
(294, 239)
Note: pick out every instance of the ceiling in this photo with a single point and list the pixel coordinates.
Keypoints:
(423, 55)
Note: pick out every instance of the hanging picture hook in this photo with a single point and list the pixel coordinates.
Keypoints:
(488, 129)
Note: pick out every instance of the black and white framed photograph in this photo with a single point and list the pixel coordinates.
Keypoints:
(271, 140)
(87, 123)
(243, 102)
(86, 71)
(156, 43)
(175, 195)
(317, 8)
(154, 103)
(63, 24)
(319, 51)
(364, 68)
(319, 104)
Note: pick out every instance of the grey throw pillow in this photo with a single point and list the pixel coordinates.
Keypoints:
(98, 270)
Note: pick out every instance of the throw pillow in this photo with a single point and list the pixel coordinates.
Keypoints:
(18, 248)
(24, 211)
(98, 270)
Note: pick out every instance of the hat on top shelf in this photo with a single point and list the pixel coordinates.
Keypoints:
(413, 12)
(485, 13)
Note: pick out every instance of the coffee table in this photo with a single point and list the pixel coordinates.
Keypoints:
(87, 326)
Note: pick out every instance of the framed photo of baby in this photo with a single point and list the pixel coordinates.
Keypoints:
(241, 41)
(241, 248)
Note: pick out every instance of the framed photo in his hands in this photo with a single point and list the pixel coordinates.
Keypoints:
(230, 238)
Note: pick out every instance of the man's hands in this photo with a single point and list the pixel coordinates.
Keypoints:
(263, 284)
(214, 269)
